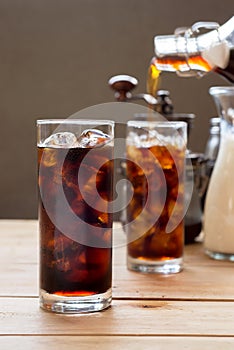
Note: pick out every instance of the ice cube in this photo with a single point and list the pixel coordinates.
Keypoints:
(92, 138)
(61, 139)
(48, 158)
(148, 139)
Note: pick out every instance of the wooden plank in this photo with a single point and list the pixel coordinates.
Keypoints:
(19, 280)
(205, 283)
(181, 318)
(139, 323)
(194, 283)
(19, 241)
(202, 277)
(19, 270)
(114, 343)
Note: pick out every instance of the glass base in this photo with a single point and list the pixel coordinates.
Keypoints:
(152, 266)
(219, 256)
(72, 305)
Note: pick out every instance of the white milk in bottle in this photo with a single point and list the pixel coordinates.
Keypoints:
(219, 206)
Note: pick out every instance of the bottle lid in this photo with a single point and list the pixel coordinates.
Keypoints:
(215, 121)
(215, 126)
(163, 93)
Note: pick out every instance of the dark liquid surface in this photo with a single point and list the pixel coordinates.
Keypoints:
(75, 257)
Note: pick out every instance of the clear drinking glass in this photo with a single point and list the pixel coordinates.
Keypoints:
(75, 177)
(155, 153)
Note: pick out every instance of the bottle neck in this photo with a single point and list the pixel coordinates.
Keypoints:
(212, 48)
(188, 44)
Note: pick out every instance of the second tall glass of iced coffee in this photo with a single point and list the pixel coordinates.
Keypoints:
(155, 152)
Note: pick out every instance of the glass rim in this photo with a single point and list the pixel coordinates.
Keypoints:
(75, 121)
(154, 123)
(182, 115)
(221, 90)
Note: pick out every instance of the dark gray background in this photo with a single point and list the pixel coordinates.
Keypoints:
(56, 57)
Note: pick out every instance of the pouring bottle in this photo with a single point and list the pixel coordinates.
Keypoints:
(194, 51)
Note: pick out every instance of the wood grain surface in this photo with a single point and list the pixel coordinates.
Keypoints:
(190, 310)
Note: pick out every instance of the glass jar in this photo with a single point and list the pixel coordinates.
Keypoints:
(219, 204)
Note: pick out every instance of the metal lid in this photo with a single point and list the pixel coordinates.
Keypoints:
(215, 121)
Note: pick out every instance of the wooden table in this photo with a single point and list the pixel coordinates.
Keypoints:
(190, 310)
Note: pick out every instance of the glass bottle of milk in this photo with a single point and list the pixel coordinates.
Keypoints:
(219, 205)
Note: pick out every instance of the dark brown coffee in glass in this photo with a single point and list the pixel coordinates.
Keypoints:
(155, 168)
(75, 215)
